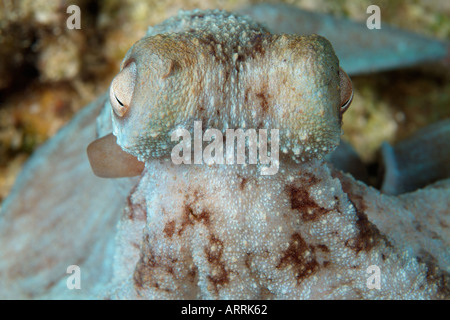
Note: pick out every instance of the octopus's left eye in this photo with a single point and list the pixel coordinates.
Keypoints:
(346, 91)
(121, 104)
(122, 88)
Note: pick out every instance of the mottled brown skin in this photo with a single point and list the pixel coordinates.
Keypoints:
(223, 231)
(220, 232)
(279, 242)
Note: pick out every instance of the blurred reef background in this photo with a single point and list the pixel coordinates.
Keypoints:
(49, 72)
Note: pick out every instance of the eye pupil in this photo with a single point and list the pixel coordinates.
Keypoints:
(118, 100)
(345, 106)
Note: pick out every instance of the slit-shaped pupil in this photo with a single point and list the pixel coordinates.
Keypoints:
(118, 100)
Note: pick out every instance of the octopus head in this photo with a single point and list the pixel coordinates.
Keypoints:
(168, 81)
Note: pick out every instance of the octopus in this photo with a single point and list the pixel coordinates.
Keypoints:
(160, 230)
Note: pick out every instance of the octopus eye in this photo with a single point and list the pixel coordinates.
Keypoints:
(346, 91)
(122, 88)
(121, 104)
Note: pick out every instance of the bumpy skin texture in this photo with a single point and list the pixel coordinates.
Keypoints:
(227, 232)
(295, 235)
(230, 72)
(221, 232)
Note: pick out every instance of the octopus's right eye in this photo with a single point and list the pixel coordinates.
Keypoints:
(346, 91)
(122, 88)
